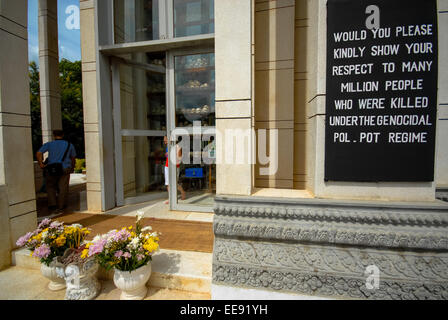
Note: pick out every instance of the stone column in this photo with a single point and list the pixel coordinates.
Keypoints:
(17, 194)
(90, 105)
(274, 86)
(233, 19)
(50, 97)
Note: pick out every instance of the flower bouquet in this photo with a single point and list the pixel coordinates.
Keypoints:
(50, 240)
(129, 252)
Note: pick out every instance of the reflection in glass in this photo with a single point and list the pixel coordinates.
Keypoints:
(143, 165)
(193, 17)
(198, 170)
(136, 20)
(195, 89)
(143, 123)
(143, 98)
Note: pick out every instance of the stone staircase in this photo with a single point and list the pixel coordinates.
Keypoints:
(176, 275)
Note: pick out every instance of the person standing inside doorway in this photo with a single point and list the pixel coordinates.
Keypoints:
(57, 168)
(167, 180)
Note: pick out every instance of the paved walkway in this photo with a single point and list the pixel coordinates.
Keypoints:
(76, 197)
(26, 284)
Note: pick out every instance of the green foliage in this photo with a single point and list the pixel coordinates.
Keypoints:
(80, 165)
(36, 124)
(70, 79)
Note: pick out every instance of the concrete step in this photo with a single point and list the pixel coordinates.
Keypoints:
(171, 269)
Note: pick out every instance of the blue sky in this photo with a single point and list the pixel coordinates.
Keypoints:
(69, 40)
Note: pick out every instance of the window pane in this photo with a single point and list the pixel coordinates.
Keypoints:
(142, 91)
(136, 20)
(195, 89)
(193, 17)
(143, 166)
(196, 174)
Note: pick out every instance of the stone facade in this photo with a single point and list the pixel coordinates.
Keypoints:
(322, 248)
(17, 194)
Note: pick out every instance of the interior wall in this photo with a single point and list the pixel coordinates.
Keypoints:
(127, 122)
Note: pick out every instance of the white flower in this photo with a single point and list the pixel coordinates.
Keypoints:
(140, 215)
(76, 225)
(44, 234)
(134, 244)
(148, 228)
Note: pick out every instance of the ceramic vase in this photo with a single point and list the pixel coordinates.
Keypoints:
(49, 272)
(133, 284)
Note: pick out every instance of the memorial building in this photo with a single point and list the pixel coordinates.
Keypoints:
(315, 131)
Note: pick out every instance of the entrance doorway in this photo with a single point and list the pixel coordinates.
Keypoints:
(192, 130)
(159, 98)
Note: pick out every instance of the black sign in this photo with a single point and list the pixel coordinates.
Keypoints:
(381, 90)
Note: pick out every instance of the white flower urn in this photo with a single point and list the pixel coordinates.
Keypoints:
(49, 272)
(133, 284)
(81, 280)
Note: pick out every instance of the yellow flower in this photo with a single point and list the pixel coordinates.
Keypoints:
(133, 234)
(84, 253)
(38, 237)
(130, 228)
(150, 245)
(60, 241)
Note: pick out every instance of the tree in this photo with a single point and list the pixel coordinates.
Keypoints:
(36, 124)
(70, 75)
(70, 79)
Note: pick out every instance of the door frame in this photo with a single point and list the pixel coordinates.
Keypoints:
(171, 121)
(119, 132)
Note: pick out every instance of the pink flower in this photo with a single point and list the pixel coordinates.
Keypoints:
(44, 223)
(127, 255)
(42, 252)
(118, 254)
(23, 240)
(140, 257)
(56, 225)
(97, 247)
(121, 235)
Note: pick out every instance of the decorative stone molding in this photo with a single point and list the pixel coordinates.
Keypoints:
(325, 285)
(334, 211)
(442, 194)
(392, 226)
(333, 260)
(323, 248)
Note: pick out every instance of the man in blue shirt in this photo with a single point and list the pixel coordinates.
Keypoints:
(56, 150)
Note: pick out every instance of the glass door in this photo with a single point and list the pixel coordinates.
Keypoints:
(192, 166)
(140, 120)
